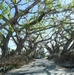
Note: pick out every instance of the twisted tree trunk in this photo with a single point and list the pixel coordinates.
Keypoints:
(4, 46)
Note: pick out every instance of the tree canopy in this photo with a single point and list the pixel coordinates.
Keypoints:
(36, 24)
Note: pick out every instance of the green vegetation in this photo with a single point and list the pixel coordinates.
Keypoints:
(42, 25)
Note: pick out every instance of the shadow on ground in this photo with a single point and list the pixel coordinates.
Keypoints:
(38, 68)
(43, 69)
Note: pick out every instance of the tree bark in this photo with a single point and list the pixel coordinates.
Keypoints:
(4, 46)
(66, 46)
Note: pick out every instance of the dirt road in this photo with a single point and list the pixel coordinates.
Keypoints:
(41, 67)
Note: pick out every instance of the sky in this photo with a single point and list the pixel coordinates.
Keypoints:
(11, 43)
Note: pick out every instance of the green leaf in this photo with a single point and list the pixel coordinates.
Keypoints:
(49, 2)
(9, 15)
(1, 6)
(72, 3)
(11, 28)
(1, 16)
(3, 1)
(14, 1)
(6, 11)
(27, 0)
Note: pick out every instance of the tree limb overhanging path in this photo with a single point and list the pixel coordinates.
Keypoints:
(41, 67)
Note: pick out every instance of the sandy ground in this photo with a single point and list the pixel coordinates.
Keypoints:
(41, 67)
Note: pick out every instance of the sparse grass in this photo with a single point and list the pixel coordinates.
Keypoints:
(15, 61)
(66, 60)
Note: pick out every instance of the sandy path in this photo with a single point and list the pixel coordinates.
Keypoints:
(41, 67)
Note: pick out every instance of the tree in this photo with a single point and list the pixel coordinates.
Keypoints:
(39, 18)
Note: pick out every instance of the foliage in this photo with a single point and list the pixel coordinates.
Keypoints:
(46, 22)
(4, 10)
